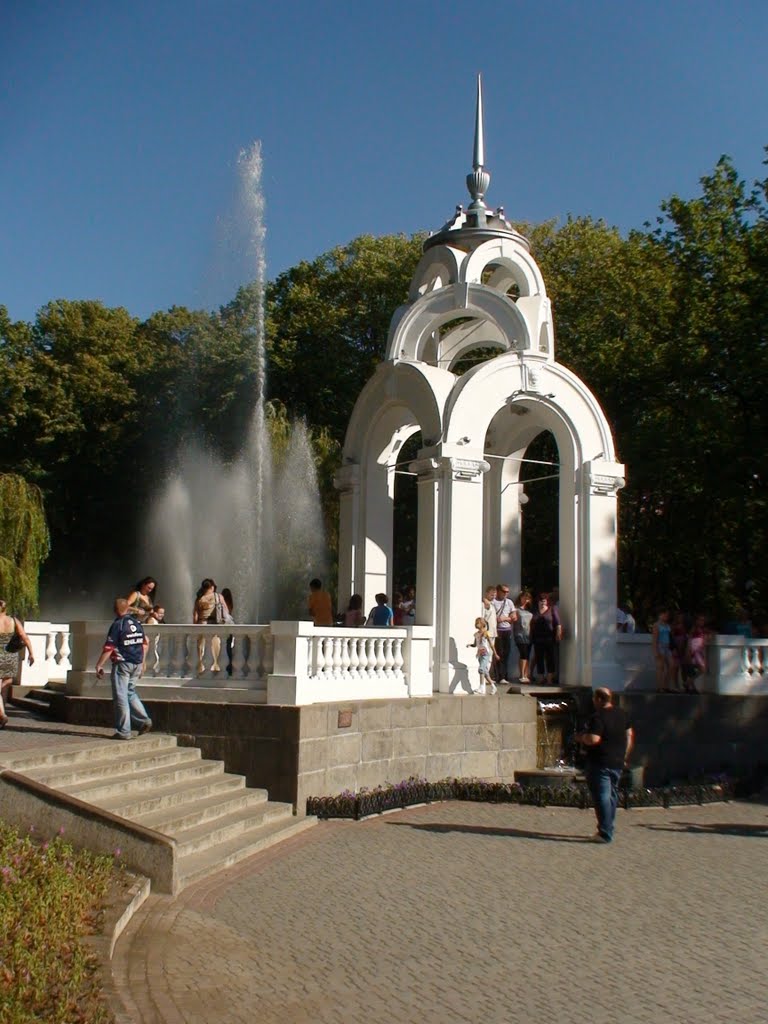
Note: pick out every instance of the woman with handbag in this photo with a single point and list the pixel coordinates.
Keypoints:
(13, 640)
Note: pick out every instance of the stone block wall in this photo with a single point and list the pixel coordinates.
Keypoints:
(677, 736)
(365, 744)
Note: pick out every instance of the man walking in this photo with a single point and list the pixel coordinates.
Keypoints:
(608, 738)
(125, 647)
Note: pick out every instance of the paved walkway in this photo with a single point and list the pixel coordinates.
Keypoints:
(459, 913)
(31, 730)
(463, 912)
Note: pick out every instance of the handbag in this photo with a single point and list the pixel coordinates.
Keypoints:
(15, 644)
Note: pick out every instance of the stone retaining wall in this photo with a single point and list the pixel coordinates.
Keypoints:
(349, 746)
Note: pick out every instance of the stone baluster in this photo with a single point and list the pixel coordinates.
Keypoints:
(152, 665)
(337, 646)
(238, 659)
(50, 654)
(389, 661)
(747, 659)
(397, 654)
(346, 643)
(188, 652)
(64, 651)
(380, 661)
(354, 656)
(328, 655)
(318, 659)
(370, 650)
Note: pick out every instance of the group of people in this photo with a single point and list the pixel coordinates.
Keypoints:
(401, 612)
(679, 651)
(127, 643)
(515, 639)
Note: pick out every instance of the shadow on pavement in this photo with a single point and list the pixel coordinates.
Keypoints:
(486, 830)
(712, 829)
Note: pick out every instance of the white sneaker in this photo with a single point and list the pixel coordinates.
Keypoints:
(493, 688)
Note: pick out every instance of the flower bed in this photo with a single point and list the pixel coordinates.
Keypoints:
(50, 898)
(418, 791)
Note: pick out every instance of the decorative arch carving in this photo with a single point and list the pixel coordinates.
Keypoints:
(437, 268)
(515, 265)
(417, 326)
(421, 389)
(561, 402)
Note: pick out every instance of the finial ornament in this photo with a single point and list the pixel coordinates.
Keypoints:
(479, 180)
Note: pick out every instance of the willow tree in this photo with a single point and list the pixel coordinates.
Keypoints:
(24, 543)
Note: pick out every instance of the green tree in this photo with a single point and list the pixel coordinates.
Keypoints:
(24, 543)
(328, 322)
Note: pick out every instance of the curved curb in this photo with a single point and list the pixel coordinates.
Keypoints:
(117, 917)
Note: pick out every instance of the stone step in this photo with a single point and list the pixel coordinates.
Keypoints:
(134, 761)
(206, 809)
(143, 781)
(213, 817)
(215, 833)
(177, 795)
(81, 753)
(195, 866)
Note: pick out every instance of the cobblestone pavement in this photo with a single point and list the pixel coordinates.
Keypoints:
(463, 912)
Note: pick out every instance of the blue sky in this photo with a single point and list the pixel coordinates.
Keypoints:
(121, 122)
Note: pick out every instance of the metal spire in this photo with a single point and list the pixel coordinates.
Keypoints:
(479, 180)
(479, 142)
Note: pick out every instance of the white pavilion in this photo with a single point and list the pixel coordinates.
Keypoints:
(477, 287)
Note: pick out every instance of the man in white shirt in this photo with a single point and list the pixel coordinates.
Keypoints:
(504, 607)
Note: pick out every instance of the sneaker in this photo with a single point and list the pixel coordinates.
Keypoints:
(119, 736)
(144, 729)
(493, 688)
(598, 837)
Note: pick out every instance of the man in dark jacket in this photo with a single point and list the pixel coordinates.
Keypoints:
(125, 647)
(608, 739)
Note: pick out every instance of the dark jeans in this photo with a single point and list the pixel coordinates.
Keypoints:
(506, 651)
(603, 784)
(544, 652)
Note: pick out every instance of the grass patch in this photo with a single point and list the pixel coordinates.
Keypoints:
(50, 899)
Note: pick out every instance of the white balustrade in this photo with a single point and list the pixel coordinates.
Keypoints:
(298, 663)
(182, 657)
(314, 664)
(50, 645)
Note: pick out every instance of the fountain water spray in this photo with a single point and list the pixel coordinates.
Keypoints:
(216, 518)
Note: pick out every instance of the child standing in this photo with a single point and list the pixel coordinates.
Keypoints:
(485, 652)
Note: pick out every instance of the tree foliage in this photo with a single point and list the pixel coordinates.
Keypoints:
(24, 543)
(666, 325)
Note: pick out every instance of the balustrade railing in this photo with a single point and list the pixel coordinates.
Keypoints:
(755, 658)
(50, 644)
(298, 663)
(356, 657)
(233, 653)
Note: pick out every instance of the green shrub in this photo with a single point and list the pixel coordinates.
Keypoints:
(50, 895)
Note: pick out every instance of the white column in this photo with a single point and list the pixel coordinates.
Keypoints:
(510, 539)
(347, 482)
(426, 550)
(492, 523)
(376, 535)
(459, 571)
(602, 481)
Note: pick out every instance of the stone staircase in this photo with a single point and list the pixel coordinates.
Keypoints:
(214, 819)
